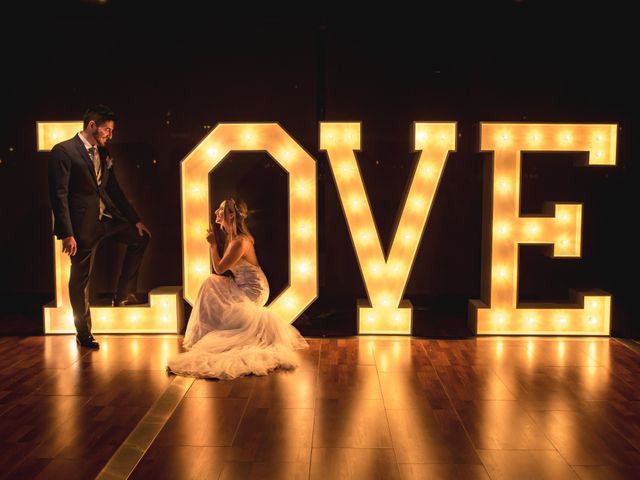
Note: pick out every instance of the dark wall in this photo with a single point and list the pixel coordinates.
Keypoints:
(171, 75)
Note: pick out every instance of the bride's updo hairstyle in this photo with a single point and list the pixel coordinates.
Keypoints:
(235, 214)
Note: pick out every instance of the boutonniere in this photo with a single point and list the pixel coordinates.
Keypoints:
(109, 162)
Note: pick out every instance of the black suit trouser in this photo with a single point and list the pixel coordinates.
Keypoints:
(82, 266)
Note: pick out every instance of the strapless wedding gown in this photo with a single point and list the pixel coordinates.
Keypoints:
(230, 333)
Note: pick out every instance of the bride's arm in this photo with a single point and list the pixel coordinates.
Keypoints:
(234, 252)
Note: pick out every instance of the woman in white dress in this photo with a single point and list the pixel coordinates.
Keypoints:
(230, 333)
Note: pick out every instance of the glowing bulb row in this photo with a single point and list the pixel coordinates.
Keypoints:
(222, 140)
(533, 138)
(164, 315)
(500, 312)
(385, 276)
(532, 320)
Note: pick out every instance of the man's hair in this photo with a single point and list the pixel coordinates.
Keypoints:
(99, 114)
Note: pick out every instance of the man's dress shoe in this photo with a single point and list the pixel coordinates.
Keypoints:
(88, 342)
(128, 300)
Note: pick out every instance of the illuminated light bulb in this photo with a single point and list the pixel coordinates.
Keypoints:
(55, 135)
(504, 138)
(500, 319)
(599, 154)
(427, 170)
(286, 154)
(563, 320)
(503, 185)
(304, 267)
(531, 320)
(564, 242)
(329, 136)
(534, 229)
(408, 236)
(395, 268)
(564, 217)
(290, 303)
(599, 138)
(103, 317)
(248, 136)
(70, 317)
(198, 268)
(592, 320)
(375, 268)
(197, 191)
(443, 137)
(385, 300)
(355, 202)
(164, 318)
(345, 169)
(535, 138)
(212, 152)
(302, 189)
(371, 318)
(594, 304)
(397, 317)
(502, 273)
(134, 318)
(503, 229)
(421, 136)
(365, 237)
(567, 138)
(349, 135)
(418, 203)
(304, 229)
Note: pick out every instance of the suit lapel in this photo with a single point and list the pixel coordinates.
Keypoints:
(85, 155)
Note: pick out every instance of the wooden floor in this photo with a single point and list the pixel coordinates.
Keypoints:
(367, 407)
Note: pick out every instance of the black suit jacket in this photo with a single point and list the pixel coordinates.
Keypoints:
(75, 194)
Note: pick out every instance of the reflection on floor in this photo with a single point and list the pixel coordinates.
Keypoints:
(359, 407)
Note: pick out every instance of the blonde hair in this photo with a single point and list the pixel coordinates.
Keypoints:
(237, 222)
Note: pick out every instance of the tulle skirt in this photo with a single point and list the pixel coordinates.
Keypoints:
(230, 334)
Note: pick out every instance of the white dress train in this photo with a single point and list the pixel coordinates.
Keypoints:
(230, 333)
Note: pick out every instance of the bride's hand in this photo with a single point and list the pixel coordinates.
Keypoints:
(211, 236)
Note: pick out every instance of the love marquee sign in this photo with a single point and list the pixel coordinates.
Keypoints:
(385, 275)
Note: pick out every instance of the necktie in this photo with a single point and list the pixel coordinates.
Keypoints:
(96, 161)
(96, 166)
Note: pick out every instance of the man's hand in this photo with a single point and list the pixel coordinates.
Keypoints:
(69, 246)
(142, 229)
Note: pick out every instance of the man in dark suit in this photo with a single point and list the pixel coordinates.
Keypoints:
(88, 206)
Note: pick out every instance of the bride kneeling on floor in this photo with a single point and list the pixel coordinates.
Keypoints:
(230, 332)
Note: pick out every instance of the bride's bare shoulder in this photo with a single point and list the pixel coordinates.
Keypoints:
(244, 238)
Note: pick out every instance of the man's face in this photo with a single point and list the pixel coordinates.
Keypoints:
(103, 133)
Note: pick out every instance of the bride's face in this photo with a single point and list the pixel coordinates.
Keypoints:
(220, 215)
